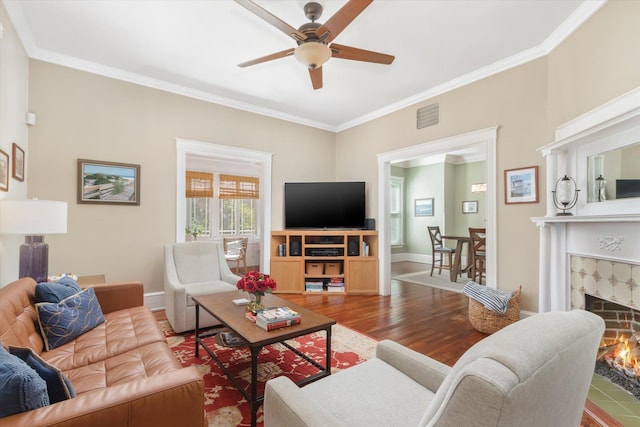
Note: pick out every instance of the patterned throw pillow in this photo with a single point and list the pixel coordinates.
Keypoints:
(56, 291)
(21, 388)
(70, 318)
(58, 386)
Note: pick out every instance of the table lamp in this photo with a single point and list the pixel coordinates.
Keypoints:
(33, 218)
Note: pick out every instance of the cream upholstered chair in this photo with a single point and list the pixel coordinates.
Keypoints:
(191, 269)
(535, 372)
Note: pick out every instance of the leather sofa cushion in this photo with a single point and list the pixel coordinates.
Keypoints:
(136, 364)
(122, 331)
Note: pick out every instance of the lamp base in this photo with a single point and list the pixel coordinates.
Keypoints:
(564, 214)
(34, 258)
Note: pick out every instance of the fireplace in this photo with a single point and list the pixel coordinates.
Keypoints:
(619, 353)
(610, 289)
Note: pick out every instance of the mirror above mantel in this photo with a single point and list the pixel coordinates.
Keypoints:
(614, 174)
(601, 151)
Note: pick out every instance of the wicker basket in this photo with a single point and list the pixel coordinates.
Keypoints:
(488, 321)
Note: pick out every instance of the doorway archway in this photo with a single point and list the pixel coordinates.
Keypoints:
(485, 139)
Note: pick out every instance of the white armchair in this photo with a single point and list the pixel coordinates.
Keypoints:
(535, 372)
(192, 269)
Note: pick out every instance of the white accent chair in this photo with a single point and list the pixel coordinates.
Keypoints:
(192, 269)
(535, 372)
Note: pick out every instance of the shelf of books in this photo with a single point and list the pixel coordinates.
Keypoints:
(318, 261)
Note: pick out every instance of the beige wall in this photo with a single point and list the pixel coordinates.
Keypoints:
(14, 69)
(81, 115)
(88, 116)
(515, 100)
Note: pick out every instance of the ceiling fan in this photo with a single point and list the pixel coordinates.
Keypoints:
(313, 38)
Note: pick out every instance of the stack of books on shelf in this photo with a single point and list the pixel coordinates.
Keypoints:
(336, 284)
(313, 286)
(276, 318)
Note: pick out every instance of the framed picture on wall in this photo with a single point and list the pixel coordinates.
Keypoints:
(470, 207)
(18, 163)
(4, 171)
(108, 182)
(424, 207)
(521, 185)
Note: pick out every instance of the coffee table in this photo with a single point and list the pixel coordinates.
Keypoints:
(233, 317)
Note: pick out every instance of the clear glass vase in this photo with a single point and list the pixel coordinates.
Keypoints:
(255, 302)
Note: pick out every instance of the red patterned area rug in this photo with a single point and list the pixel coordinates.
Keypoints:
(225, 405)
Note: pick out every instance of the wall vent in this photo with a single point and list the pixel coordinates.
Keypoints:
(428, 116)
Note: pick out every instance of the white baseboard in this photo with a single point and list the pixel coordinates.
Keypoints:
(154, 300)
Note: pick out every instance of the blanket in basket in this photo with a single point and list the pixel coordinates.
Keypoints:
(493, 299)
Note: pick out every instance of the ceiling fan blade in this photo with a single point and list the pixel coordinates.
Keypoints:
(348, 52)
(316, 77)
(266, 58)
(272, 19)
(341, 19)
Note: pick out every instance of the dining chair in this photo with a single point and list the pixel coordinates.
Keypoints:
(439, 250)
(235, 249)
(478, 253)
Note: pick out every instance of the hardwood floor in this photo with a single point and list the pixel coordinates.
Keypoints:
(428, 320)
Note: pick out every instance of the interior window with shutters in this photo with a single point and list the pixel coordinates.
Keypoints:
(199, 194)
(397, 211)
(239, 197)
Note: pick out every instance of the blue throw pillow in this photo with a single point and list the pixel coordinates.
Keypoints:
(56, 291)
(21, 388)
(70, 318)
(58, 386)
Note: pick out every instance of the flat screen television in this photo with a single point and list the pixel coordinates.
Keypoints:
(324, 205)
(626, 188)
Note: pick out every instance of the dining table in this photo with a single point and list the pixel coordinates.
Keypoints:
(457, 268)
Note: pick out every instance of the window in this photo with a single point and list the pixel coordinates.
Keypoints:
(396, 222)
(238, 204)
(198, 193)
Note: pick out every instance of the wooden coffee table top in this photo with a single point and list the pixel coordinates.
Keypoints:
(233, 316)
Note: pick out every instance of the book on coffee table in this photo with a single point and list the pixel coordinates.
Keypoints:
(276, 318)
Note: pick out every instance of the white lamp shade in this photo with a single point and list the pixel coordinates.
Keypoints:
(312, 54)
(33, 217)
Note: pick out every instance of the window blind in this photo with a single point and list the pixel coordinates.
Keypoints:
(199, 184)
(239, 187)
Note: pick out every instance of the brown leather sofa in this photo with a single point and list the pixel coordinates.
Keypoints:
(122, 371)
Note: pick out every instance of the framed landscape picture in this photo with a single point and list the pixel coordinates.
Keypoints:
(470, 206)
(108, 182)
(424, 207)
(521, 185)
(18, 162)
(4, 171)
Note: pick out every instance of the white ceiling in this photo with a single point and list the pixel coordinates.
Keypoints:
(193, 48)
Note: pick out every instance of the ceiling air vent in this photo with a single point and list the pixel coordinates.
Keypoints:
(428, 116)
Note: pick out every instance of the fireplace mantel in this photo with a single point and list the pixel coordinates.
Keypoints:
(607, 230)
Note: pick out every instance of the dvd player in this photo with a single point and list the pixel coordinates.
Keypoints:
(323, 252)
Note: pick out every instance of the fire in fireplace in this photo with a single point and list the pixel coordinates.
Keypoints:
(619, 354)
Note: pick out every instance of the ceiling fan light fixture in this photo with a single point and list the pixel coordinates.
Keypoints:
(312, 54)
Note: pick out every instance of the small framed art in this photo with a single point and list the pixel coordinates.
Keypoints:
(108, 182)
(4, 171)
(18, 162)
(424, 207)
(521, 185)
(470, 207)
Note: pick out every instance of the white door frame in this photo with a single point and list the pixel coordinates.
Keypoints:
(486, 138)
(186, 147)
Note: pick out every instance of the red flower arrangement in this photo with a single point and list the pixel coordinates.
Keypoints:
(256, 283)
